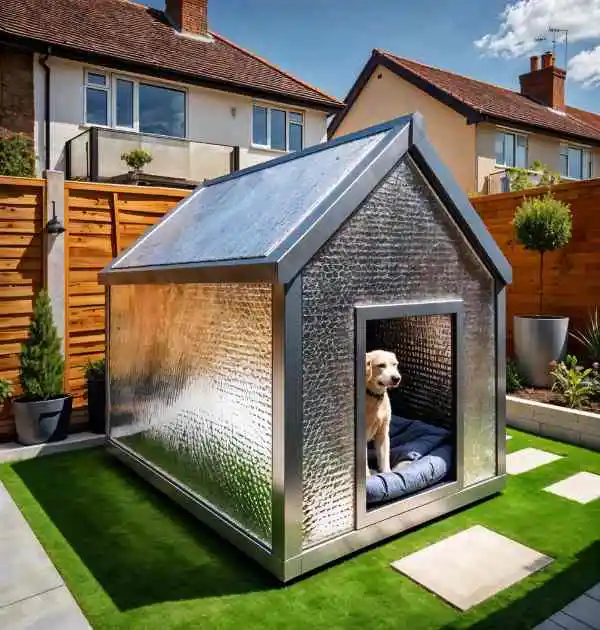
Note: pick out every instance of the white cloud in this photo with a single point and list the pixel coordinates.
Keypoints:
(585, 67)
(524, 20)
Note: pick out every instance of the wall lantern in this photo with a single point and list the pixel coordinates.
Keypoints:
(54, 226)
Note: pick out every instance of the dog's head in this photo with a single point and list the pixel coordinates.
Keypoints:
(382, 371)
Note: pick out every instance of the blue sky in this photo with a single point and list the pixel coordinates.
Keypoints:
(326, 42)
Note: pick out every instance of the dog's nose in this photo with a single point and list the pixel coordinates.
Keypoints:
(395, 380)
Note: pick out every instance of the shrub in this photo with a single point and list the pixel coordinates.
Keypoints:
(543, 224)
(573, 382)
(589, 338)
(95, 369)
(136, 159)
(16, 157)
(514, 378)
(520, 178)
(42, 364)
(5, 389)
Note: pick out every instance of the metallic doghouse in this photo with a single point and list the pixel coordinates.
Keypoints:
(237, 330)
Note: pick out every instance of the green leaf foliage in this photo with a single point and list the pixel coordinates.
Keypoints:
(136, 159)
(95, 369)
(575, 384)
(589, 337)
(543, 223)
(5, 389)
(16, 157)
(42, 363)
(514, 378)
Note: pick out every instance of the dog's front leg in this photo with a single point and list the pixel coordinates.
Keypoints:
(382, 447)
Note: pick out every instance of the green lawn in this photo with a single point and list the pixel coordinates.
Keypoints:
(136, 561)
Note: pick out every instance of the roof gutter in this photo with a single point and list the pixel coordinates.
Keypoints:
(47, 126)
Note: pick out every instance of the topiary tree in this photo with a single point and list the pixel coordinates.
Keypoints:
(16, 156)
(543, 224)
(136, 159)
(42, 363)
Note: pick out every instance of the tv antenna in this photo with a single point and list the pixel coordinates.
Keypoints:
(555, 37)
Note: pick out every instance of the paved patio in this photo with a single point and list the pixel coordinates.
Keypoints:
(33, 595)
(581, 614)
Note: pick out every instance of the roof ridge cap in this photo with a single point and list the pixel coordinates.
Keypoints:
(275, 67)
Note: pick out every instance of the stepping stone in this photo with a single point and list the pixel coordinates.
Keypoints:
(584, 487)
(471, 566)
(508, 437)
(527, 459)
(586, 610)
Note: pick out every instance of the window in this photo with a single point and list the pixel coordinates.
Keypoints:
(575, 162)
(277, 128)
(511, 149)
(129, 104)
(96, 99)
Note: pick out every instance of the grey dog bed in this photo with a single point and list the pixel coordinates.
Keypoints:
(421, 455)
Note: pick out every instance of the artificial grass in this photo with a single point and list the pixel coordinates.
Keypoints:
(134, 560)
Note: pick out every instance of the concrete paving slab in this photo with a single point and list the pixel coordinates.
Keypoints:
(26, 569)
(549, 625)
(14, 452)
(584, 487)
(528, 459)
(471, 566)
(52, 610)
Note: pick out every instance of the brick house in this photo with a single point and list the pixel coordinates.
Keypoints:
(480, 130)
(90, 79)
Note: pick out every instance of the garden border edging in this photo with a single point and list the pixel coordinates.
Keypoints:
(573, 426)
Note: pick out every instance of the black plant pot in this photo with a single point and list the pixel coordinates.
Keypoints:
(97, 405)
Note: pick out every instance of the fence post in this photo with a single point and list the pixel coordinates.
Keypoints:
(55, 249)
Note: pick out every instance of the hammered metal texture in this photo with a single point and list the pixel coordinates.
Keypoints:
(400, 245)
(191, 390)
(423, 346)
(265, 207)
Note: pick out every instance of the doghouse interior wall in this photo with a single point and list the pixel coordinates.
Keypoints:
(400, 245)
(423, 345)
(191, 390)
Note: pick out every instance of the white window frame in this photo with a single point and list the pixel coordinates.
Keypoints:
(564, 149)
(111, 88)
(105, 88)
(269, 107)
(515, 134)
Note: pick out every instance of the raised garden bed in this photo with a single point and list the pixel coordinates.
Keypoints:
(543, 413)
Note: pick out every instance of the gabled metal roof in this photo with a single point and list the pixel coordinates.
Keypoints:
(266, 222)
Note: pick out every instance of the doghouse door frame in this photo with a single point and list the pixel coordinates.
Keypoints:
(363, 314)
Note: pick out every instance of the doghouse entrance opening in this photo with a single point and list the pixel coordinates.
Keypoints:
(424, 429)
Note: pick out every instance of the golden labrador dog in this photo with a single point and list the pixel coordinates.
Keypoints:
(381, 375)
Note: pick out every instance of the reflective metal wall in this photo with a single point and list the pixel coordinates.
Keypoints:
(401, 245)
(191, 390)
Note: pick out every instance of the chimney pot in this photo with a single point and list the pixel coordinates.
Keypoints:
(534, 63)
(547, 60)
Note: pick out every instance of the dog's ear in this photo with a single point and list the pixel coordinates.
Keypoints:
(368, 367)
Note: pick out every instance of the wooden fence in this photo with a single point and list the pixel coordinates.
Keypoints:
(100, 221)
(571, 275)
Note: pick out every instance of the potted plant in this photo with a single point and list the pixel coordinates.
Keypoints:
(96, 384)
(42, 413)
(541, 224)
(136, 159)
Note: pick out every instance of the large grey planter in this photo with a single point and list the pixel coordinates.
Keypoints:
(37, 422)
(539, 340)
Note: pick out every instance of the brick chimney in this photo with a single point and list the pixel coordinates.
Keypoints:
(188, 16)
(545, 85)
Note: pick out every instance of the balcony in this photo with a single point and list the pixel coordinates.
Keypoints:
(95, 155)
(499, 181)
